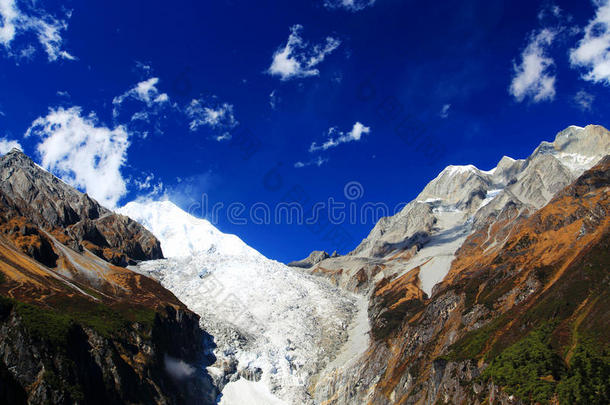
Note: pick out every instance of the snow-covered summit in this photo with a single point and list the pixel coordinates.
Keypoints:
(576, 149)
(182, 234)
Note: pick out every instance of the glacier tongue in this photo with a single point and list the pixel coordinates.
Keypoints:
(272, 324)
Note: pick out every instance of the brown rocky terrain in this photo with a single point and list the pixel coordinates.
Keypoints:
(551, 271)
(75, 326)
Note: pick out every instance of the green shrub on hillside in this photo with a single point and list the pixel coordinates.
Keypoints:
(530, 368)
(588, 378)
(53, 324)
(472, 344)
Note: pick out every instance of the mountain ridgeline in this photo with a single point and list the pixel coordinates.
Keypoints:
(490, 287)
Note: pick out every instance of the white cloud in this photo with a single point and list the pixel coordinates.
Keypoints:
(145, 183)
(298, 58)
(584, 100)
(145, 91)
(319, 161)
(141, 116)
(6, 145)
(26, 53)
(533, 77)
(45, 27)
(337, 137)
(218, 116)
(224, 137)
(351, 5)
(145, 68)
(83, 153)
(593, 50)
(10, 18)
(445, 111)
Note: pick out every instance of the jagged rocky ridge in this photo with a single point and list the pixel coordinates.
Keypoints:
(314, 258)
(481, 268)
(70, 216)
(429, 230)
(74, 327)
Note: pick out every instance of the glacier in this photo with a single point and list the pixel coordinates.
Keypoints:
(275, 327)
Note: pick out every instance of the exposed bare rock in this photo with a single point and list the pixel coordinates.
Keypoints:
(456, 185)
(73, 217)
(410, 227)
(314, 257)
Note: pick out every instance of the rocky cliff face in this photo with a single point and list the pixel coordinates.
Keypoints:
(468, 281)
(48, 357)
(74, 326)
(70, 216)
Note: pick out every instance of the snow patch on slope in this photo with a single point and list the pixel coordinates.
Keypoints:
(248, 392)
(436, 256)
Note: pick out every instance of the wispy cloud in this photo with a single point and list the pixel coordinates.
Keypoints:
(593, 51)
(177, 368)
(298, 59)
(533, 76)
(445, 111)
(351, 5)
(81, 151)
(210, 113)
(584, 100)
(274, 99)
(141, 106)
(145, 91)
(147, 185)
(46, 28)
(318, 161)
(336, 137)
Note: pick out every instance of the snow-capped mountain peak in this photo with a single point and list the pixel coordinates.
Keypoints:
(182, 234)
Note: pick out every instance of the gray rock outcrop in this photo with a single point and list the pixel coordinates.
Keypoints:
(73, 217)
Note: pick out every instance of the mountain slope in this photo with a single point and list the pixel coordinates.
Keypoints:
(550, 278)
(74, 327)
(273, 326)
(483, 261)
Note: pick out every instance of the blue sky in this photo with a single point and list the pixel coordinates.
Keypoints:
(250, 103)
